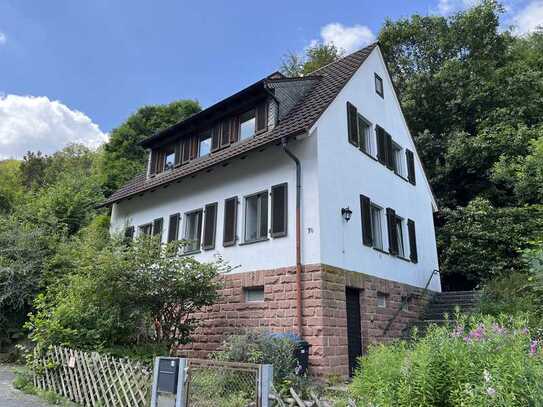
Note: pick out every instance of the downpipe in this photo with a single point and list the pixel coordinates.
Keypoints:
(299, 318)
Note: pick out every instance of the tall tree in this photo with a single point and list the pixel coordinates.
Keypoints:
(314, 57)
(123, 158)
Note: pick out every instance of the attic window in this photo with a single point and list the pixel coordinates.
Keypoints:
(204, 144)
(247, 125)
(169, 160)
(379, 85)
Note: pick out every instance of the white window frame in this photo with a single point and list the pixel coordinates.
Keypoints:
(382, 297)
(399, 166)
(374, 207)
(399, 233)
(258, 216)
(253, 111)
(368, 135)
(194, 248)
(205, 136)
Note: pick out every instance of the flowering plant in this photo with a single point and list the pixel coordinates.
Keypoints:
(475, 361)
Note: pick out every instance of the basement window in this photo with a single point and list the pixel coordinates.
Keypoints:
(254, 294)
(382, 300)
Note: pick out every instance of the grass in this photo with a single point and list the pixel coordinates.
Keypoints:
(23, 382)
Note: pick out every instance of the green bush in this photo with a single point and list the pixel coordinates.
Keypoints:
(261, 347)
(124, 295)
(480, 361)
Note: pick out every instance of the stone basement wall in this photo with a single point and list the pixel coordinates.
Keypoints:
(324, 312)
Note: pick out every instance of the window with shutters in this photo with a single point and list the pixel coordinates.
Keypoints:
(397, 161)
(379, 86)
(129, 234)
(157, 227)
(230, 221)
(381, 144)
(279, 209)
(193, 231)
(364, 135)
(256, 217)
(210, 226)
(145, 229)
(173, 227)
(376, 226)
(247, 124)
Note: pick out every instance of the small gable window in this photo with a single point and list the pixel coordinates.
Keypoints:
(247, 125)
(379, 86)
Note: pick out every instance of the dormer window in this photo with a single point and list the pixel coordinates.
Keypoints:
(169, 159)
(247, 124)
(204, 144)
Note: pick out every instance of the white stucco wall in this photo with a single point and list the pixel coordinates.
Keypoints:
(345, 173)
(258, 172)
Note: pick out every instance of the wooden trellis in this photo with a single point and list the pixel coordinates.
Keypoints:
(93, 379)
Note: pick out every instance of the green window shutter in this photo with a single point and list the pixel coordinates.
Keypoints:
(381, 145)
(412, 241)
(392, 232)
(210, 226)
(410, 160)
(352, 124)
(173, 228)
(389, 151)
(157, 227)
(279, 210)
(365, 215)
(230, 221)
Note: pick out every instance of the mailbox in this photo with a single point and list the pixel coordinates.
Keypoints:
(168, 375)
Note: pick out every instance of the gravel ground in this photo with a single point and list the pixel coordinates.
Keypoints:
(11, 397)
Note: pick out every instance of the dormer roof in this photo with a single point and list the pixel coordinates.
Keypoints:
(315, 93)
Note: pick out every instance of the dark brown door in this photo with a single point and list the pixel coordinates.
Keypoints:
(354, 330)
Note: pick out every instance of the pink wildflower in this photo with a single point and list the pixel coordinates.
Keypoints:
(533, 347)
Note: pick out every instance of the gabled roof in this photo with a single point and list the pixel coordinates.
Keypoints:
(328, 82)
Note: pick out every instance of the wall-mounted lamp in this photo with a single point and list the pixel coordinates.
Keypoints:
(346, 213)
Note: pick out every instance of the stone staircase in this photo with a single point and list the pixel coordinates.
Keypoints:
(446, 303)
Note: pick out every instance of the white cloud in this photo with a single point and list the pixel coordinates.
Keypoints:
(348, 39)
(3, 38)
(37, 123)
(529, 18)
(447, 7)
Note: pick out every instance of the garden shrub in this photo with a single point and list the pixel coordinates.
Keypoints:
(261, 347)
(476, 361)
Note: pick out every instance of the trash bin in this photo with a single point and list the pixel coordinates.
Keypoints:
(301, 351)
(302, 356)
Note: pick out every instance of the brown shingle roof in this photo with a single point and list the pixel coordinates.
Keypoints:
(332, 78)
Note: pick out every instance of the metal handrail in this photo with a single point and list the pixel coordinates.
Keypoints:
(406, 299)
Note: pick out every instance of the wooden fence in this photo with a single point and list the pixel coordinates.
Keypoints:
(94, 379)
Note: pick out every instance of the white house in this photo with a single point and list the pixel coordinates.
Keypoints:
(313, 187)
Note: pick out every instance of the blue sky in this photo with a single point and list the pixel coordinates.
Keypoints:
(82, 67)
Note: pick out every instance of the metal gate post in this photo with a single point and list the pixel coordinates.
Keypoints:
(181, 397)
(155, 384)
(264, 385)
